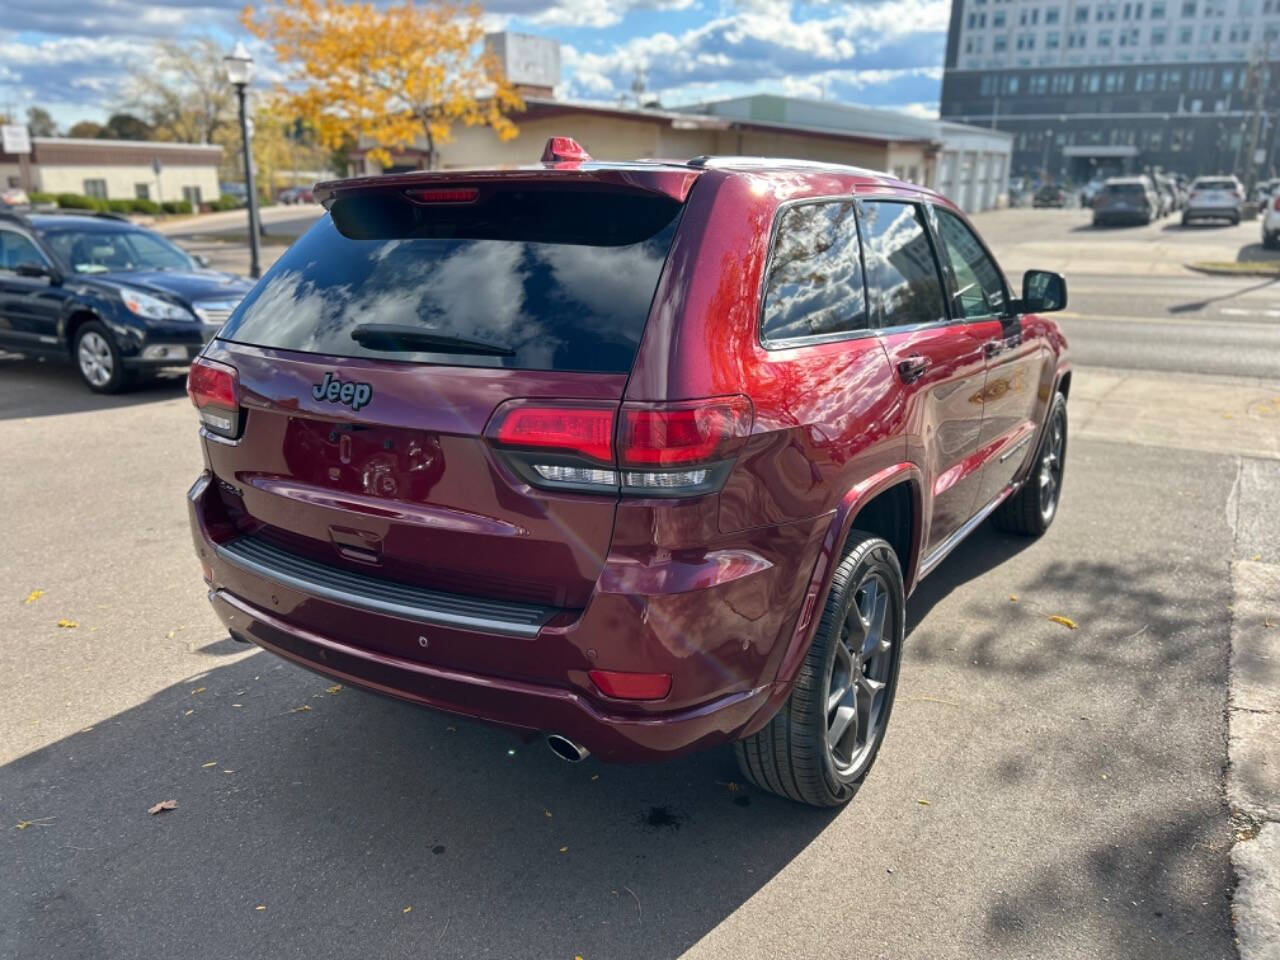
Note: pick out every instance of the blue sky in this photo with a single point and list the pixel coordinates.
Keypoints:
(72, 56)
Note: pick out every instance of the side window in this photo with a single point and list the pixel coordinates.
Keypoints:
(814, 288)
(902, 275)
(16, 249)
(979, 289)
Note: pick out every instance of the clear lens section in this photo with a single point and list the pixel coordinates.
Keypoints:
(153, 308)
(219, 421)
(576, 474)
(664, 480)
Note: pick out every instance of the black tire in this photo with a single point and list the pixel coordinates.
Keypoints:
(97, 357)
(791, 756)
(1271, 240)
(1031, 510)
(1235, 221)
(1185, 220)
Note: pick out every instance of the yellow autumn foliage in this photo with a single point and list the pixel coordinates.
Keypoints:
(386, 77)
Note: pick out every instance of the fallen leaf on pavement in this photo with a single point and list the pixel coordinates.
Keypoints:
(305, 708)
(67, 624)
(923, 803)
(546, 813)
(188, 713)
(334, 689)
(211, 763)
(564, 849)
(1065, 621)
(261, 906)
(33, 596)
(406, 909)
(1013, 598)
(162, 806)
(37, 822)
(197, 690)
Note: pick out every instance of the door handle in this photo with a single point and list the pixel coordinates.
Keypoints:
(993, 347)
(912, 368)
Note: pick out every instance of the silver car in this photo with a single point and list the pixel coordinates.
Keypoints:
(1214, 198)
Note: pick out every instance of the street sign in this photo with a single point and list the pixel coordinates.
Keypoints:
(1260, 156)
(156, 166)
(16, 139)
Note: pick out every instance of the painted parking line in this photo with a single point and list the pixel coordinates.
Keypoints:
(1243, 312)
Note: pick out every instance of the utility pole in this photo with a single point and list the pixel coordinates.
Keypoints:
(1256, 83)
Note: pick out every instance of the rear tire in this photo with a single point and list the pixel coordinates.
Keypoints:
(1031, 510)
(820, 746)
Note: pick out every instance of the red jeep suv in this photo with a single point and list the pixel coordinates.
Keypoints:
(644, 456)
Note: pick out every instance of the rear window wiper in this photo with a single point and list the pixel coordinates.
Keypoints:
(403, 337)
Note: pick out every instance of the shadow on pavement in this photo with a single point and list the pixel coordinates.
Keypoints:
(1254, 252)
(1247, 285)
(342, 810)
(40, 388)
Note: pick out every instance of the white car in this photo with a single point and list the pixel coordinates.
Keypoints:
(1271, 221)
(1214, 198)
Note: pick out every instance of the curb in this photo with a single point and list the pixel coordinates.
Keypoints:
(1263, 268)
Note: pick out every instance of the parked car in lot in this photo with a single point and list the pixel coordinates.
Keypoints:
(1089, 192)
(11, 197)
(1214, 198)
(115, 298)
(638, 455)
(1271, 220)
(1167, 188)
(1050, 195)
(293, 195)
(1263, 190)
(1125, 200)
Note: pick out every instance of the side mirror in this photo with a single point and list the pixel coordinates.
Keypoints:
(201, 259)
(1043, 291)
(35, 271)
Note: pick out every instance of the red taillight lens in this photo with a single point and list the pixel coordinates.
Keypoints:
(444, 195)
(586, 431)
(1276, 205)
(631, 686)
(683, 433)
(214, 388)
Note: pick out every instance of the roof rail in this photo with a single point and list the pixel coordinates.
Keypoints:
(14, 216)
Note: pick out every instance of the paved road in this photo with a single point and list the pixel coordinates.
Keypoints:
(1072, 779)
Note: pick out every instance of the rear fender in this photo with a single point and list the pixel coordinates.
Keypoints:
(843, 520)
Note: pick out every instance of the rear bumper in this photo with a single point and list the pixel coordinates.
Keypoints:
(1211, 213)
(521, 706)
(720, 641)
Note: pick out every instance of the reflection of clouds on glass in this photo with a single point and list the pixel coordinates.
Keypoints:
(900, 266)
(815, 278)
(558, 306)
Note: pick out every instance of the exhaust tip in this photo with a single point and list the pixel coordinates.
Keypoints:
(566, 749)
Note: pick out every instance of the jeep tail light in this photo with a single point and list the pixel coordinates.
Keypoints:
(640, 449)
(631, 686)
(215, 390)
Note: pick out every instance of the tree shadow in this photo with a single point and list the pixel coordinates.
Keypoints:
(1248, 285)
(1255, 253)
(43, 387)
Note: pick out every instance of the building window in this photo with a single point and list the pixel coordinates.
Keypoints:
(192, 196)
(1158, 36)
(997, 19)
(1051, 40)
(1038, 83)
(1050, 16)
(1157, 10)
(1064, 83)
(1104, 38)
(1011, 85)
(1188, 8)
(1129, 37)
(987, 86)
(142, 191)
(1246, 8)
(999, 44)
(1184, 36)
(1171, 80)
(1239, 34)
(1082, 14)
(1029, 17)
(1026, 41)
(96, 188)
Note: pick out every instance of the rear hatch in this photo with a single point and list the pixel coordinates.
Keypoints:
(375, 352)
(1122, 196)
(1214, 193)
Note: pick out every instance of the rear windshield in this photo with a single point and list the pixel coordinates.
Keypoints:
(528, 278)
(1214, 185)
(1126, 189)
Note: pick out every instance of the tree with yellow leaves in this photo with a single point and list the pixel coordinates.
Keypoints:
(389, 77)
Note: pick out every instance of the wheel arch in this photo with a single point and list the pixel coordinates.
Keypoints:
(877, 498)
(76, 319)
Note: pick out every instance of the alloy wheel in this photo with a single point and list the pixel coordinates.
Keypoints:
(860, 671)
(96, 361)
(1051, 467)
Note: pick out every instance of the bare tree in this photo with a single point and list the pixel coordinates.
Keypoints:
(182, 92)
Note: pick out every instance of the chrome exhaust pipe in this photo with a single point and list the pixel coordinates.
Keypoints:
(566, 749)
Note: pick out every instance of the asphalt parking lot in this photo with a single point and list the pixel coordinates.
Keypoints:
(1043, 791)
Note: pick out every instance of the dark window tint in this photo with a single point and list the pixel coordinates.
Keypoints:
(815, 274)
(15, 250)
(116, 251)
(551, 279)
(902, 275)
(1126, 189)
(1214, 185)
(978, 289)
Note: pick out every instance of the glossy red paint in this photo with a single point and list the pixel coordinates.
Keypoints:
(719, 591)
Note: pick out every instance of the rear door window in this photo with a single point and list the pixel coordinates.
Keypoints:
(903, 281)
(528, 277)
(814, 288)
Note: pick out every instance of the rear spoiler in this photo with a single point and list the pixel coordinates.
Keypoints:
(667, 180)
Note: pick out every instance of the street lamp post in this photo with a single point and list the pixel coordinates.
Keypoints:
(239, 67)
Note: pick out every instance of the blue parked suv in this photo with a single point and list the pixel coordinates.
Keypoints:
(117, 299)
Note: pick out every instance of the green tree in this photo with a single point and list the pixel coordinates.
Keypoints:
(125, 126)
(85, 129)
(40, 123)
